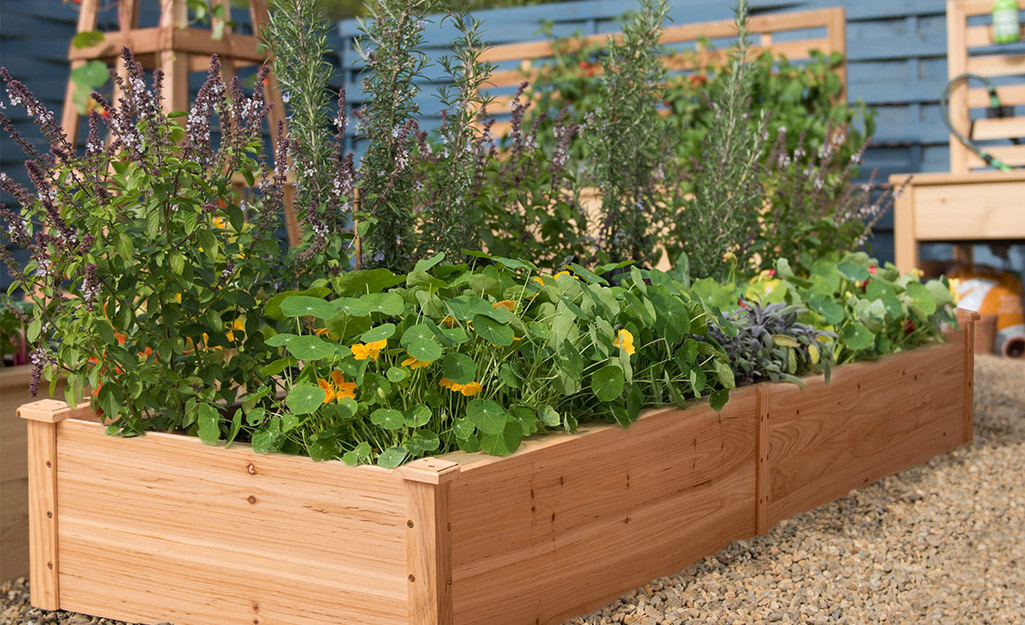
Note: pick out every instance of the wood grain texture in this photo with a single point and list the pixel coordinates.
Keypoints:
(569, 523)
(429, 553)
(872, 420)
(981, 210)
(163, 528)
(44, 556)
(14, 533)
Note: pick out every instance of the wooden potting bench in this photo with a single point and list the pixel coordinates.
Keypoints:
(967, 206)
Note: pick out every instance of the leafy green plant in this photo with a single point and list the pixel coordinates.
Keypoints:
(873, 308)
(14, 315)
(145, 268)
(815, 205)
(531, 204)
(451, 169)
(768, 343)
(477, 358)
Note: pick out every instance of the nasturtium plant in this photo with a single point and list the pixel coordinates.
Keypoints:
(478, 357)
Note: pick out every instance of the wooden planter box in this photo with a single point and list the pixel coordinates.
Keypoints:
(14, 392)
(163, 528)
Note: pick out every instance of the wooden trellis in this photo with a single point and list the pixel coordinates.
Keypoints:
(177, 49)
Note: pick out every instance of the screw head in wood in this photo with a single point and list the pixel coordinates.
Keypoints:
(48, 464)
(49, 514)
(412, 578)
(251, 499)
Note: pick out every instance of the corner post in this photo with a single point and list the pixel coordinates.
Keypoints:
(967, 319)
(428, 543)
(762, 495)
(43, 417)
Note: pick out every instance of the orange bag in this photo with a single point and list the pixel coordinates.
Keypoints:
(990, 291)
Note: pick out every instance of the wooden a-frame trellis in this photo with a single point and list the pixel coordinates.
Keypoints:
(177, 49)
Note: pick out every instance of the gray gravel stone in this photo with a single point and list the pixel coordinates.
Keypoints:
(940, 543)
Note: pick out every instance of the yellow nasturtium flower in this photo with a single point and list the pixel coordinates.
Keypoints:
(413, 363)
(370, 350)
(625, 340)
(506, 303)
(955, 289)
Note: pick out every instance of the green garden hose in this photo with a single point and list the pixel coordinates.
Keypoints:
(995, 110)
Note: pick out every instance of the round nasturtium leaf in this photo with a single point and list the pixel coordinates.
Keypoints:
(304, 398)
(488, 416)
(459, 368)
(378, 333)
(493, 331)
(387, 418)
(426, 350)
(391, 458)
(419, 416)
(505, 442)
(310, 348)
(857, 336)
(306, 306)
(607, 383)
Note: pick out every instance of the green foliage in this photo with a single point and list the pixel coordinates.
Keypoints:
(146, 269)
(393, 34)
(12, 327)
(451, 168)
(724, 215)
(628, 141)
(476, 358)
(297, 36)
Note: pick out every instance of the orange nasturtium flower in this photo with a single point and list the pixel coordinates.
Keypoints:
(625, 340)
(370, 350)
(506, 303)
(449, 321)
(337, 388)
(413, 363)
(469, 390)
(239, 324)
(325, 332)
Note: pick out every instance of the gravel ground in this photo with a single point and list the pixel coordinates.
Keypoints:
(941, 543)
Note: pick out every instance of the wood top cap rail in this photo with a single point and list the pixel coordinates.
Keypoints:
(45, 410)
(429, 471)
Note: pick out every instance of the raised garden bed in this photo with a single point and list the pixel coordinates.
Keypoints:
(14, 391)
(163, 528)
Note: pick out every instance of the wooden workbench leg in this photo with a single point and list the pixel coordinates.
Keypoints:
(905, 241)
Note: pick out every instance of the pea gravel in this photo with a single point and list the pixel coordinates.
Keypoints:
(940, 543)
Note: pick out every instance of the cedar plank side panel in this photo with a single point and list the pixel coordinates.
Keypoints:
(159, 528)
(872, 420)
(563, 529)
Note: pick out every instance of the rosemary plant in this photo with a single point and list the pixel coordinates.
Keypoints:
(453, 169)
(628, 141)
(721, 222)
(393, 34)
(296, 34)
